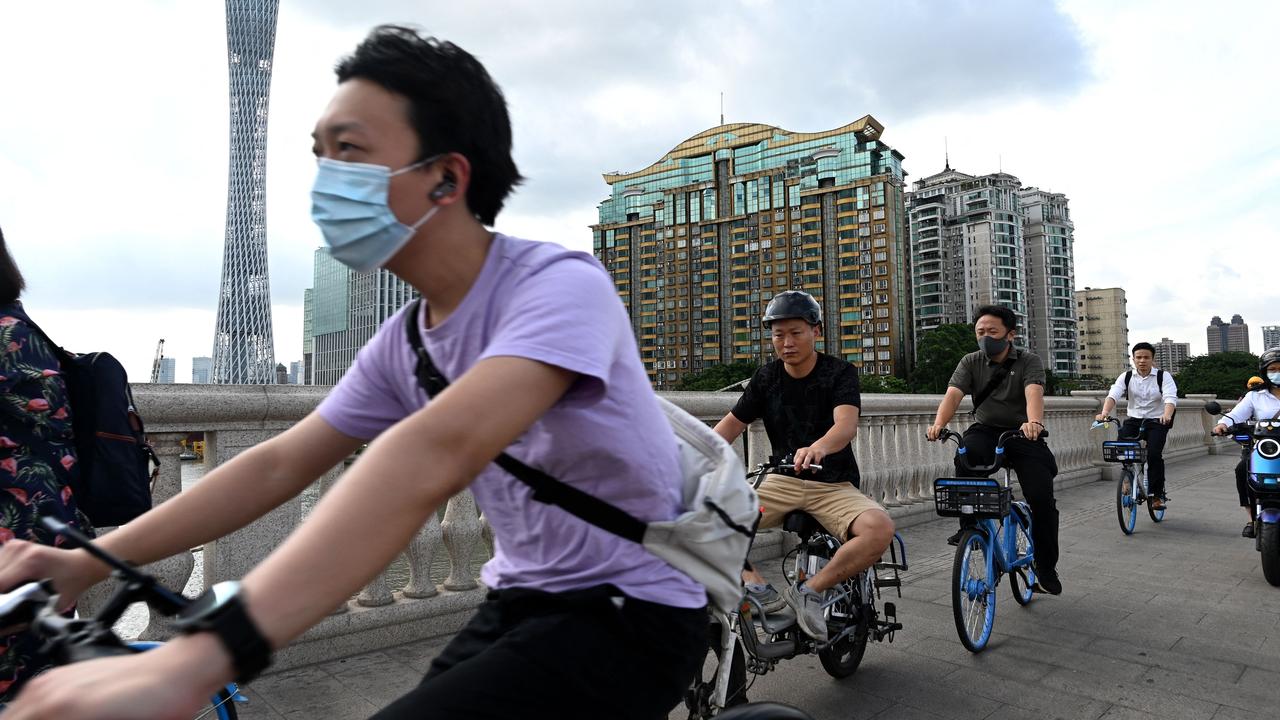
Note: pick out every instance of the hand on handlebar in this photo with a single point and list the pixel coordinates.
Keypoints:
(1219, 429)
(72, 571)
(808, 456)
(1031, 430)
(935, 432)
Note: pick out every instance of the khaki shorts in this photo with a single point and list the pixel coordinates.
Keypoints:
(835, 505)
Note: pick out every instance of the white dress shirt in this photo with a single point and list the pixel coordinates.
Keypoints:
(1146, 398)
(1255, 405)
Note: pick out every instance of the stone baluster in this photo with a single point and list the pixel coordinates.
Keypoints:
(461, 531)
(377, 593)
(421, 552)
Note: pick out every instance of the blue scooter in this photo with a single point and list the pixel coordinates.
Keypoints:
(1263, 436)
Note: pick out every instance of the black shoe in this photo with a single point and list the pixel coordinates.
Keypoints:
(1248, 531)
(1048, 583)
(955, 539)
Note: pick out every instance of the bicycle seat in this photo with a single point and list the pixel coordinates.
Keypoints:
(802, 524)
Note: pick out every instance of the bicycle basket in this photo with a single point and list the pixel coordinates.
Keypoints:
(971, 498)
(1125, 451)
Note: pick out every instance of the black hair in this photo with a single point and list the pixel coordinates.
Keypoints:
(11, 282)
(1143, 346)
(1005, 314)
(454, 106)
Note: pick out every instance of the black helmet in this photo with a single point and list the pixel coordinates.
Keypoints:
(1266, 358)
(793, 304)
(764, 711)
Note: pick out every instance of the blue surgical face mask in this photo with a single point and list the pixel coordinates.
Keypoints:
(1274, 377)
(349, 203)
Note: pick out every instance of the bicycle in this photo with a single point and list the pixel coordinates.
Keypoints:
(850, 608)
(995, 540)
(33, 607)
(1132, 489)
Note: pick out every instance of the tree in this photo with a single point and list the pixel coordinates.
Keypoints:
(717, 376)
(937, 355)
(1223, 374)
(883, 384)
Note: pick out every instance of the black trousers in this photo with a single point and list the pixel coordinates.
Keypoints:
(1156, 435)
(1036, 467)
(1242, 483)
(578, 655)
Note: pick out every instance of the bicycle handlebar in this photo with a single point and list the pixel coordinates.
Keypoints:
(961, 451)
(34, 607)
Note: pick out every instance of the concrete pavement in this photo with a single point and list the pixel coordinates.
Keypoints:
(1172, 622)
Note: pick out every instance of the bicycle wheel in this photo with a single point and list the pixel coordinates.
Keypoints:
(223, 707)
(1023, 578)
(1156, 515)
(973, 591)
(841, 659)
(1126, 508)
(697, 699)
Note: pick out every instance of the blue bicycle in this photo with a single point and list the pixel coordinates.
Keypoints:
(994, 540)
(1132, 487)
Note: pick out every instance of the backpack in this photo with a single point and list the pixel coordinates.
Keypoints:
(708, 541)
(112, 452)
(1128, 375)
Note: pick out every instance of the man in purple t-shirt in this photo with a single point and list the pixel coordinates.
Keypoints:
(414, 162)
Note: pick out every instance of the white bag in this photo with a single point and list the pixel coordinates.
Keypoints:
(710, 539)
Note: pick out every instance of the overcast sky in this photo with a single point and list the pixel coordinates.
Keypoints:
(1157, 119)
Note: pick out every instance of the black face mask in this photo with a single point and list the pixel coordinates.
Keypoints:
(993, 346)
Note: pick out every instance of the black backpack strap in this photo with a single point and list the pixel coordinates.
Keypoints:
(546, 489)
(1001, 373)
(1128, 375)
(1160, 381)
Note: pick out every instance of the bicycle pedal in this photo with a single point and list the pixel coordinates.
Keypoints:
(890, 611)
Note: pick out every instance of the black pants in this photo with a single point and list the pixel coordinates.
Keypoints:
(1156, 435)
(1036, 467)
(1242, 482)
(532, 654)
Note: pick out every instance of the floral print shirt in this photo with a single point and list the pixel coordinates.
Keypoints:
(37, 462)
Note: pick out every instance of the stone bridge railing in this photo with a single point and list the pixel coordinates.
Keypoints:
(437, 588)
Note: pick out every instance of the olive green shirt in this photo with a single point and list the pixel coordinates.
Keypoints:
(1006, 406)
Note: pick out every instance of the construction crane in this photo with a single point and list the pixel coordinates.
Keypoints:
(155, 364)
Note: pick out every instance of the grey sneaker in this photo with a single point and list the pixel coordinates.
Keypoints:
(808, 607)
(769, 599)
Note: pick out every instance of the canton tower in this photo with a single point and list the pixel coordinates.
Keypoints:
(243, 351)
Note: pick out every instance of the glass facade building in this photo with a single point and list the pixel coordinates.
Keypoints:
(699, 241)
(346, 308)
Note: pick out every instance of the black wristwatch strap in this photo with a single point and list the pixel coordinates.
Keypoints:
(221, 611)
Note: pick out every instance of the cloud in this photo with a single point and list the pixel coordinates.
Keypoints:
(1153, 117)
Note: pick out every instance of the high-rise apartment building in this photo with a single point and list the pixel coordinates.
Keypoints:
(201, 368)
(243, 351)
(1172, 356)
(295, 373)
(700, 240)
(979, 240)
(1103, 322)
(1270, 336)
(1049, 244)
(1224, 337)
(168, 370)
(347, 308)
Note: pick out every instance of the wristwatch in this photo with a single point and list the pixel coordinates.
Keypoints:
(221, 611)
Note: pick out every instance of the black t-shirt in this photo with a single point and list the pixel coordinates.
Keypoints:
(798, 412)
